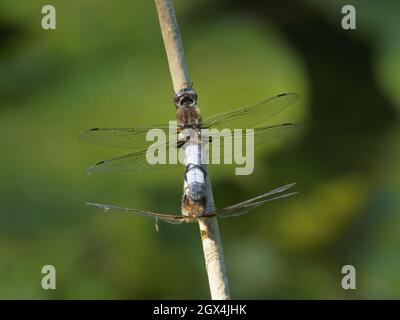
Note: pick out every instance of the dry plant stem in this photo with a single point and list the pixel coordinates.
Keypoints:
(173, 45)
(212, 246)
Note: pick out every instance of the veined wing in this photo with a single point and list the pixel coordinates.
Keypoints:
(261, 135)
(170, 218)
(136, 161)
(250, 117)
(264, 134)
(245, 206)
(235, 210)
(125, 138)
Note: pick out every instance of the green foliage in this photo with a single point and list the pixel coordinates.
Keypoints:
(105, 65)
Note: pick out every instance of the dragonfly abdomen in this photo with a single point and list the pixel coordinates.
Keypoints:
(194, 172)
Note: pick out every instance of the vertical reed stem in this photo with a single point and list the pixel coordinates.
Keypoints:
(212, 245)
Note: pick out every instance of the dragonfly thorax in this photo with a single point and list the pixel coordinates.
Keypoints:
(188, 117)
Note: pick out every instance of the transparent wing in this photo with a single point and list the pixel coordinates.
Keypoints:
(261, 135)
(170, 218)
(250, 117)
(136, 161)
(125, 138)
(245, 206)
(264, 134)
(235, 210)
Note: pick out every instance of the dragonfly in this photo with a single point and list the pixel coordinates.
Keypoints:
(190, 140)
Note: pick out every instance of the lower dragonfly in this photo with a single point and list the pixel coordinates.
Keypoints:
(189, 121)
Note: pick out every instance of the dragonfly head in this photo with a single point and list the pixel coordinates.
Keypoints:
(186, 97)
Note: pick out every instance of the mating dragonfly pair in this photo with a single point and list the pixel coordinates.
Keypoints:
(194, 202)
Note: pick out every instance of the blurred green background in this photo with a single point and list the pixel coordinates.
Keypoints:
(105, 65)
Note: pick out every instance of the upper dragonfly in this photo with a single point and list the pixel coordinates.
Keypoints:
(188, 117)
